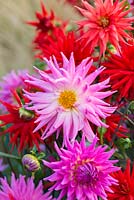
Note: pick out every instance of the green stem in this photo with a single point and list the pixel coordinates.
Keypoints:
(126, 117)
(101, 139)
(119, 124)
(2, 154)
(7, 156)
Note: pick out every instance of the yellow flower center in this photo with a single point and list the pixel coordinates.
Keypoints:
(67, 99)
(104, 22)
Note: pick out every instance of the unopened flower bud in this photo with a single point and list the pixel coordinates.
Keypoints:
(26, 114)
(31, 162)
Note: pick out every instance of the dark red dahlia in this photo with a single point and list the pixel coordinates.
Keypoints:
(22, 125)
(120, 69)
(125, 188)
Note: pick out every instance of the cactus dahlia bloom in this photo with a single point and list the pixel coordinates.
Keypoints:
(106, 22)
(66, 43)
(20, 124)
(45, 21)
(22, 190)
(82, 172)
(120, 69)
(125, 188)
(69, 99)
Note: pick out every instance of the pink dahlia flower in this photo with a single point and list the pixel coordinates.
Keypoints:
(106, 22)
(22, 190)
(69, 99)
(11, 81)
(82, 173)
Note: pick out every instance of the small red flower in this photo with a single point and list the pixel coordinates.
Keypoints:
(44, 21)
(125, 188)
(120, 69)
(45, 25)
(21, 127)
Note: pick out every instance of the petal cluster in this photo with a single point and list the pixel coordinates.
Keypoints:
(66, 43)
(45, 21)
(106, 22)
(20, 125)
(82, 172)
(20, 189)
(125, 188)
(45, 25)
(69, 99)
(121, 67)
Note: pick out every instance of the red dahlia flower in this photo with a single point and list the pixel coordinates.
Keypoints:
(44, 21)
(40, 40)
(125, 188)
(45, 26)
(22, 125)
(66, 43)
(120, 69)
(106, 22)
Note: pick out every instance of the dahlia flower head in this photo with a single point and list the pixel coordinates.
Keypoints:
(66, 43)
(83, 172)
(45, 24)
(20, 124)
(69, 99)
(120, 69)
(45, 21)
(107, 22)
(11, 81)
(20, 189)
(125, 188)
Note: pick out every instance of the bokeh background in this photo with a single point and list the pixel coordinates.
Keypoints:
(16, 36)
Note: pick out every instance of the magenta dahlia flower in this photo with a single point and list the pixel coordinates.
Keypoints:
(69, 99)
(82, 173)
(22, 190)
(11, 81)
(107, 22)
